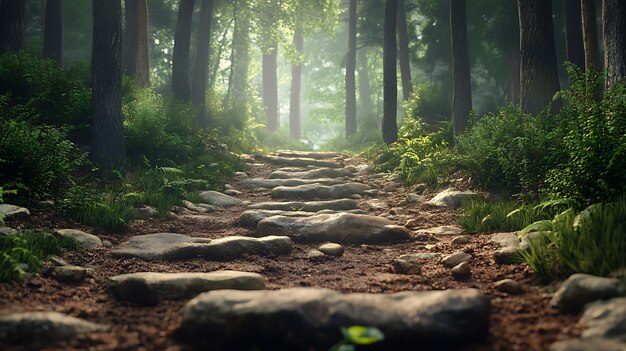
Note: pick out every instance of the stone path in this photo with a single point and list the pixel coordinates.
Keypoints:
(335, 203)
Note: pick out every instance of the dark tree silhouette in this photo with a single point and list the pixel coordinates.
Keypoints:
(181, 87)
(538, 67)
(143, 57)
(574, 33)
(107, 148)
(365, 91)
(614, 37)
(590, 34)
(296, 85)
(390, 80)
(403, 51)
(201, 71)
(350, 72)
(130, 39)
(53, 31)
(270, 87)
(12, 25)
(461, 84)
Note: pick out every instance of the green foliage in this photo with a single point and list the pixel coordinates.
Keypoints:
(357, 335)
(24, 252)
(36, 160)
(592, 241)
(595, 145)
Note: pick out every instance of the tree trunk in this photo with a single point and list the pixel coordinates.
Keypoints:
(538, 68)
(143, 57)
(365, 92)
(241, 60)
(574, 33)
(296, 83)
(107, 149)
(461, 83)
(12, 13)
(53, 31)
(590, 34)
(201, 70)
(181, 87)
(614, 37)
(390, 79)
(270, 87)
(130, 38)
(514, 83)
(403, 52)
(350, 72)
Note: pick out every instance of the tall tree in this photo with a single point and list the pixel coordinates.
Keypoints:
(296, 85)
(143, 57)
(590, 34)
(403, 51)
(461, 83)
(181, 87)
(366, 105)
(350, 71)
(241, 52)
(107, 148)
(201, 71)
(614, 37)
(390, 79)
(130, 39)
(53, 30)
(270, 87)
(573, 33)
(12, 13)
(538, 67)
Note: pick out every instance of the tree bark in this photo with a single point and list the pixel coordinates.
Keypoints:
(130, 38)
(107, 149)
(614, 38)
(143, 57)
(351, 124)
(538, 67)
(53, 31)
(403, 52)
(514, 84)
(296, 84)
(461, 82)
(201, 70)
(12, 13)
(181, 87)
(241, 59)
(270, 87)
(365, 92)
(390, 79)
(590, 34)
(573, 33)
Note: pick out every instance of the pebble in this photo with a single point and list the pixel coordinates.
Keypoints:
(462, 271)
(456, 259)
(509, 286)
(331, 249)
(315, 255)
(460, 240)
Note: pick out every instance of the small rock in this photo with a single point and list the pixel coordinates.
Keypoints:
(331, 249)
(219, 200)
(200, 208)
(455, 259)
(431, 246)
(508, 245)
(228, 186)
(39, 328)
(46, 204)
(241, 175)
(414, 198)
(391, 186)
(460, 240)
(462, 271)
(406, 266)
(71, 274)
(315, 255)
(421, 256)
(233, 192)
(84, 240)
(605, 319)
(442, 230)
(419, 188)
(8, 231)
(145, 212)
(581, 289)
(179, 210)
(412, 223)
(58, 261)
(355, 196)
(14, 212)
(509, 286)
(452, 197)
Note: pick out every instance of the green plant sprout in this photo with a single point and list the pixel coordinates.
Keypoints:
(357, 335)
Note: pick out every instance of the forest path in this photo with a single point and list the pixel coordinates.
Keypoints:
(144, 311)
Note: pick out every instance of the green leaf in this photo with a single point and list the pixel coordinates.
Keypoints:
(360, 335)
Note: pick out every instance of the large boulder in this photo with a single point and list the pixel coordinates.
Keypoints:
(42, 328)
(581, 289)
(218, 199)
(311, 318)
(452, 197)
(318, 191)
(299, 162)
(14, 212)
(84, 240)
(257, 183)
(312, 174)
(345, 228)
(171, 247)
(149, 288)
(311, 206)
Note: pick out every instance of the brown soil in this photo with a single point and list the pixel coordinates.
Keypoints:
(523, 322)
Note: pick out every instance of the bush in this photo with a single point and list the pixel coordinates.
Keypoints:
(36, 160)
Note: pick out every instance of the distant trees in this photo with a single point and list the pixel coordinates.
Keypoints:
(201, 71)
(538, 67)
(135, 42)
(403, 51)
(590, 34)
(573, 33)
(270, 86)
(351, 125)
(53, 30)
(614, 37)
(12, 25)
(390, 80)
(107, 149)
(295, 129)
(461, 84)
(181, 86)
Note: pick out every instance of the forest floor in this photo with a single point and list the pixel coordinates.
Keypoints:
(518, 322)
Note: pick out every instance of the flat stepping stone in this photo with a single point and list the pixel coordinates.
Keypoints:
(344, 228)
(312, 174)
(310, 318)
(299, 161)
(149, 288)
(443, 230)
(318, 191)
(257, 183)
(250, 218)
(318, 155)
(452, 197)
(218, 199)
(39, 328)
(14, 212)
(311, 206)
(171, 247)
(84, 240)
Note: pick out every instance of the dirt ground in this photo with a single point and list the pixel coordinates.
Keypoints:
(518, 322)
